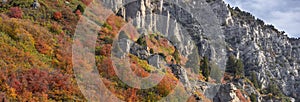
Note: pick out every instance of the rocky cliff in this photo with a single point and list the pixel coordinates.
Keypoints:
(213, 29)
(267, 52)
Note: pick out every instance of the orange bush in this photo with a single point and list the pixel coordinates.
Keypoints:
(167, 84)
(106, 50)
(131, 95)
(27, 43)
(57, 15)
(138, 70)
(40, 83)
(106, 67)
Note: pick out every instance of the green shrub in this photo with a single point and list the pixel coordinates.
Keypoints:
(142, 41)
(285, 99)
(176, 56)
(235, 66)
(98, 50)
(254, 80)
(80, 8)
(253, 97)
(151, 51)
(162, 55)
(21, 3)
(239, 71)
(230, 64)
(274, 90)
(205, 68)
(108, 40)
(105, 25)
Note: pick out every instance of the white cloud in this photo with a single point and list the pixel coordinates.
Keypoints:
(288, 21)
(284, 15)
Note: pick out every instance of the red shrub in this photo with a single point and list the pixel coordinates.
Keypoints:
(106, 50)
(164, 42)
(15, 83)
(77, 12)
(167, 84)
(106, 66)
(131, 95)
(15, 12)
(57, 15)
(59, 81)
(34, 80)
(87, 2)
(37, 82)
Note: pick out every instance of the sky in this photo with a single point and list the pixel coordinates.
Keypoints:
(283, 14)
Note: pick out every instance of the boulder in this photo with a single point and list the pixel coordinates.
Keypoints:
(36, 4)
(181, 74)
(227, 94)
(156, 61)
(123, 48)
(141, 51)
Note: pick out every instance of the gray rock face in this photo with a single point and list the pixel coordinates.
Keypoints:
(181, 74)
(227, 94)
(155, 61)
(140, 51)
(179, 21)
(125, 45)
(263, 50)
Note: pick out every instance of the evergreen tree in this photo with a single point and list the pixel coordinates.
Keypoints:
(273, 89)
(176, 56)
(215, 72)
(80, 8)
(205, 68)
(142, 41)
(230, 64)
(253, 97)
(239, 71)
(254, 80)
(235, 66)
(151, 51)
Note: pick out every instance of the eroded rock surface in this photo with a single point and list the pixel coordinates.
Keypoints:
(265, 51)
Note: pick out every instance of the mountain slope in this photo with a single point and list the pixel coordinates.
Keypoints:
(267, 54)
(206, 50)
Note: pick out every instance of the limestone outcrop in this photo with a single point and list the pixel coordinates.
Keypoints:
(213, 29)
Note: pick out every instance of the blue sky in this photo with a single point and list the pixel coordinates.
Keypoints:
(283, 14)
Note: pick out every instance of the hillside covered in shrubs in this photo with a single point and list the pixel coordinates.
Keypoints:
(35, 50)
(36, 38)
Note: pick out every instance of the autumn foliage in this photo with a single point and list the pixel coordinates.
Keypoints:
(167, 84)
(36, 56)
(57, 15)
(86, 2)
(78, 13)
(34, 83)
(15, 12)
(35, 59)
